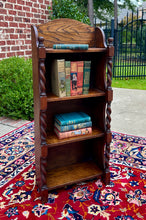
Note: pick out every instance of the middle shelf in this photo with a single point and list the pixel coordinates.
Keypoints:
(92, 93)
(53, 141)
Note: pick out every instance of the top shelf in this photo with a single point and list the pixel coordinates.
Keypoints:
(90, 50)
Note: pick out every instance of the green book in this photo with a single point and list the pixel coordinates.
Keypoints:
(86, 76)
(67, 77)
(71, 46)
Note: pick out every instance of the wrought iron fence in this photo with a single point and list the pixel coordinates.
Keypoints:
(130, 45)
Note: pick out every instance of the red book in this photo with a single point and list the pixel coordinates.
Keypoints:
(73, 77)
(73, 133)
(80, 78)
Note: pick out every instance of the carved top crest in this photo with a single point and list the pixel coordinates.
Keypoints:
(70, 31)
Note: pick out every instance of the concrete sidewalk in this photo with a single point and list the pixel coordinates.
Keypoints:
(128, 114)
(7, 125)
(129, 111)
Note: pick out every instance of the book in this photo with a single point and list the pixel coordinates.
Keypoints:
(73, 78)
(58, 78)
(80, 77)
(71, 46)
(67, 77)
(86, 76)
(73, 126)
(67, 134)
(72, 118)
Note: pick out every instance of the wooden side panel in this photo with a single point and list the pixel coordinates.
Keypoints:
(69, 31)
(34, 39)
(100, 38)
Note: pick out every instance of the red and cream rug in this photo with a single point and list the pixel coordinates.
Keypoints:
(123, 199)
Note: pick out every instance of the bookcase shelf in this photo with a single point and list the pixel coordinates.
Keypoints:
(62, 162)
(52, 139)
(92, 93)
(71, 174)
(90, 50)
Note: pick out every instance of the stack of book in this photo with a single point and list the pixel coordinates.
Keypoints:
(70, 78)
(72, 124)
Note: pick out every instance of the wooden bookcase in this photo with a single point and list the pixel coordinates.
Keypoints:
(68, 161)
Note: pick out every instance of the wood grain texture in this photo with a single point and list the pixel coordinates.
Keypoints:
(73, 173)
(52, 139)
(36, 93)
(69, 31)
(92, 93)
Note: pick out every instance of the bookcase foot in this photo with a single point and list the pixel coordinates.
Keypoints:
(44, 195)
(106, 178)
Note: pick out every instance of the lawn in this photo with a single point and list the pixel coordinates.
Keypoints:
(126, 74)
(129, 83)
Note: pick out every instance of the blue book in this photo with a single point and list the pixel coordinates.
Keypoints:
(71, 46)
(72, 118)
(73, 126)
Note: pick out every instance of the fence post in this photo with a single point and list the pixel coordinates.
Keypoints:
(112, 28)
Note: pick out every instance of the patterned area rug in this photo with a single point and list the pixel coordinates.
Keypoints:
(124, 198)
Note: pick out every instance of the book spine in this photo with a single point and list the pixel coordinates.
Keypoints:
(71, 46)
(67, 75)
(61, 78)
(69, 119)
(58, 78)
(73, 78)
(80, 77)
(71, 122)
(72, 127)
(67, 134)
(86, 76)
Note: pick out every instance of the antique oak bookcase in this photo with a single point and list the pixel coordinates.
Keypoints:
(68, 161)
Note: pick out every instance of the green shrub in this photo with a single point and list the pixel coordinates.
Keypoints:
(16, 92)
(68, 9)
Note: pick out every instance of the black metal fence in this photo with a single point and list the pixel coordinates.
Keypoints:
(130, 45)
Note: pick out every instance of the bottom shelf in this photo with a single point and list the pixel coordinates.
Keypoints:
(71, 174)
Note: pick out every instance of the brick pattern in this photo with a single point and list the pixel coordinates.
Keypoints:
(16, 17)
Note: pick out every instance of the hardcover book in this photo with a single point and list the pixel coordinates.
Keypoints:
(73, 78)
(86, 76)
(80, 77)
(67, 134)
(73, 126)
(71, 46)
(58, 78)
(72, 118)
(67, 77)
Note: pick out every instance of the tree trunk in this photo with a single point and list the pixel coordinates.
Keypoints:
(91, 12)
(115, 14)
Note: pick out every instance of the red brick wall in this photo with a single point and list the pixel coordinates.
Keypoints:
(16, 17)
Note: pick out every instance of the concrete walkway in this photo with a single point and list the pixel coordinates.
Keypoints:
(128, 114)
(129, 111)
(7, 125)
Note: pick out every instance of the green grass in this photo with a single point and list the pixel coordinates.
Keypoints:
(129, 83)
(127, 72)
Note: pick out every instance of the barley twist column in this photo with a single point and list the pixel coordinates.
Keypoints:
(109, 97)
(43, 125)
(42, 56)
